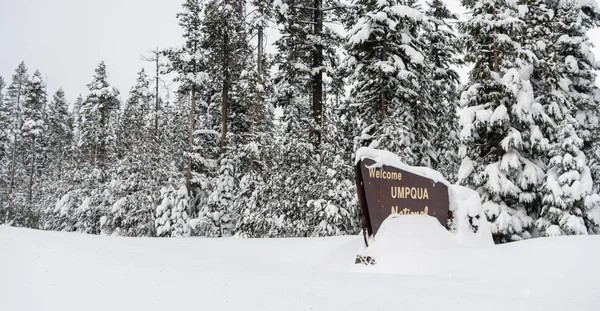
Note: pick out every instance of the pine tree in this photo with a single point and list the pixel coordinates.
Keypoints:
(4, 149)
(190, 64)
(34, 127)
(386, 60)
(336, 211)
(4, 121)
(15, 96)
(567, 182)
(97, 109)
(441, 50)
(4, 132)
(60, 132)
(576, 62)
(228, 57)
(136, 129)
(500, 120)
(77, 118)
(172, 218)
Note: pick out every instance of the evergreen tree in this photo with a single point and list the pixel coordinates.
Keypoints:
(567, 182)
(386, 60)
(228, 57)
(441, 50)
(4, 132)
(34, 127)
(96, 110)
(500, 120)
(172, 218)
(4, 149)
(77, 119)
(190, 64)
(336, 211)
(576, 62)
(136, 134)
(4, 121)
(60, 132)
(15, 171)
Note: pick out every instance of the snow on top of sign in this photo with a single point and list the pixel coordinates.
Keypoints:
(382, 157)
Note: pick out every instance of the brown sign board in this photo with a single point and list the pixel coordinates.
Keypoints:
(387, 190)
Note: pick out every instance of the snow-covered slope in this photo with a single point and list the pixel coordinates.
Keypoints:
(63, 271)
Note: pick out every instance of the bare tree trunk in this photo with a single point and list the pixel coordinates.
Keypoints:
(317, 100)
(383, 100)
(188, 176)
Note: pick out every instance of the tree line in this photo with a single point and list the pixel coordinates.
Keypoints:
(216, 161)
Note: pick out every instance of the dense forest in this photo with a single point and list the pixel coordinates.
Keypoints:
(214, 160)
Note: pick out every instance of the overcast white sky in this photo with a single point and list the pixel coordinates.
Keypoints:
(66, 39)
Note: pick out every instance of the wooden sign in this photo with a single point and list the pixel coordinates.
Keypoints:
(387, 190)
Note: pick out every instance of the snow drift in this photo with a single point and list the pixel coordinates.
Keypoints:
(67, 271)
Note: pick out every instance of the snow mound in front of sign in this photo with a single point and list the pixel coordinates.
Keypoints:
(419, 244)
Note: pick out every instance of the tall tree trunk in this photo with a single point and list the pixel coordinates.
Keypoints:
(256, 118)
(14, 151)
(31, 172)
(188, 176)
(495, 47)
(224, 118)
(156, 104)
(317, 98)
(224, 94)
(383, 99)
(12, 170)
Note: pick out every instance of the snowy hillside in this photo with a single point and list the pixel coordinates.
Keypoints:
(64, 271)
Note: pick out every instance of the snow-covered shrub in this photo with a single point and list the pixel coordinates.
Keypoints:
(172, 213)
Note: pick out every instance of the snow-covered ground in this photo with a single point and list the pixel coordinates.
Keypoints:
(424, 269)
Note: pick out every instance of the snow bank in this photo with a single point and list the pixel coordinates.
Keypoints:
(68, 272)
(419, 244)
(472, 227)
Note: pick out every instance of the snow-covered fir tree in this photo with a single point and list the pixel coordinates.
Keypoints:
(567, 183)
(172, 218)
(136, 129)
(34, 128)
(500, 119)
(96, 111)
(576, 62)
(441, 50)
(4, 147)
(228, 53)
(4, 133)
(76, 117)
(60, 132)
(336, 211)
(254, 147)
(14, 170)
(387, 77)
